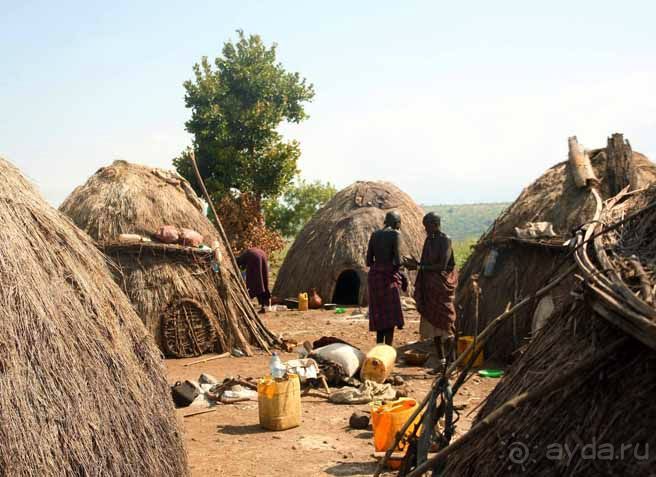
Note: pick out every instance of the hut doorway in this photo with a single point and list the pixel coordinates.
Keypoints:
(347, 289)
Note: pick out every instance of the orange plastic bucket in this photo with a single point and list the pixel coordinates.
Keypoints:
(388, 419)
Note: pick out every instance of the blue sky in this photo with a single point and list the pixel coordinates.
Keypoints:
(453, 101)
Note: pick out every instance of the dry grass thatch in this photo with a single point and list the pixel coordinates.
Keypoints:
(601, 422)
(162, 280)
(335, 239)
(523, 266)
(81, 382)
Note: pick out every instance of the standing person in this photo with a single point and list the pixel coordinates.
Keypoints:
(254, 260)
(435, 287)
(385, 279)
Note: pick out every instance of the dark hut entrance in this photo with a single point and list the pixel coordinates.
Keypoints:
(347, 289)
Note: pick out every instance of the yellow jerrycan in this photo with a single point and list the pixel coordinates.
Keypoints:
(378, 364)
(303, 302)
(279, 402)
(388, 419)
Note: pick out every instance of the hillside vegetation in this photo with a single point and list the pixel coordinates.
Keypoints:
(466, 221)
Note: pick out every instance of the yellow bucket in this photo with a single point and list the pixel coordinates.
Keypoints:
(378, 364)
(463, 344)
(303, 302)
(279, 403)
(388, 419)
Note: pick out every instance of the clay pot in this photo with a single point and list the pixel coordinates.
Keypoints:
(314, 300)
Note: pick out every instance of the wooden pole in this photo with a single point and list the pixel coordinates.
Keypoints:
(238, 279)
(204, 411)
(211, 358)
(224, 237)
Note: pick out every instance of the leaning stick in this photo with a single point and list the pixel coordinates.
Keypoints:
(480, 340)
(212, 358)
(219, 225)
(512, 404)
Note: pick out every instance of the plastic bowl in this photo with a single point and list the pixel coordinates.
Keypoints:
(415, 358)
(490, 373)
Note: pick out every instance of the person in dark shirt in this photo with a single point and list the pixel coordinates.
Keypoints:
(385, 279)
(435, 287)
(254, 260)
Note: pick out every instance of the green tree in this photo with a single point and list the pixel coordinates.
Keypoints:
(297, 205)
(236, 106)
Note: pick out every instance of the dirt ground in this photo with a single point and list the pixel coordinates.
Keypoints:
(230, 442)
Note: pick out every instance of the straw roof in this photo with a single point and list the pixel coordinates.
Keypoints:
(336, 239)
(523, 265)
(83, 390)
(601, 420)
(135, 199)
(168, 284)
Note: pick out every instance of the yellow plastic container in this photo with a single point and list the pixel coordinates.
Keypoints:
(303, 302)
(378, 363)
(388, 419)
(279, 402)
(463, 343)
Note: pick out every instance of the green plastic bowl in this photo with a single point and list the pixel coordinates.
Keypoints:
(490, 373)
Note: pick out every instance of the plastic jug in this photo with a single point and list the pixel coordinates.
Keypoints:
(378, 364)
(490, 262)
(463, 343)
(279, 403)
(302, 302)
(388, 419)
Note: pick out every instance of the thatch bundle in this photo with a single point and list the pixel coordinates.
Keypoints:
(522, 265)
(329, 253)
(81, 382)
(601, 420)
(188, 306)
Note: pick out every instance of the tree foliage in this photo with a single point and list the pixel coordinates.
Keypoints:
(298, 204)
(237, 103)
(246, 226)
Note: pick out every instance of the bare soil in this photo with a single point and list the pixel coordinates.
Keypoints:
(230, 442)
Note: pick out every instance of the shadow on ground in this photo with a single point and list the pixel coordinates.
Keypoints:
(240, 430)
(351, 469)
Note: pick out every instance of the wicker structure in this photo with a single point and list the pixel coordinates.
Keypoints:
(192, 300)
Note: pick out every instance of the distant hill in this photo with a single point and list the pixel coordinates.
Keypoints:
(467, 221)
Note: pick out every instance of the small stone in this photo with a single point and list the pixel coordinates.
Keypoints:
(398, 380)
(294, 448)
(276, 437)
(359, 420)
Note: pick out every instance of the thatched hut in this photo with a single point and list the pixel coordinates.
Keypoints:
(82, 385)
(192, 300)
(597, 357)
(329, 253)
(523, 264)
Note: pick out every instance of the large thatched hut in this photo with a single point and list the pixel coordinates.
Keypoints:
(522, 264)
(583, 391)
(82, 385)
(329, 253)
(191, 299)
